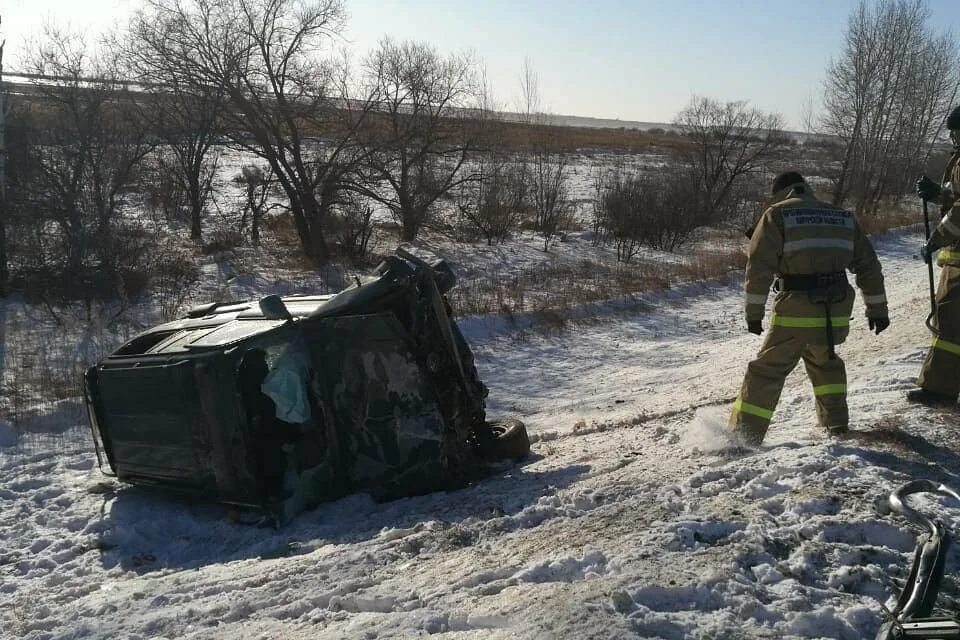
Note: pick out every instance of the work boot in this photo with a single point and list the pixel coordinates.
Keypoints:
(931, 398)
(837, 430)
(732, 451)
(739, 440)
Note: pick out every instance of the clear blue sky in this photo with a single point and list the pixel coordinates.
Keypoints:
(634, 60)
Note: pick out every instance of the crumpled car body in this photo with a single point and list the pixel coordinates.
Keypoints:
(373, 389)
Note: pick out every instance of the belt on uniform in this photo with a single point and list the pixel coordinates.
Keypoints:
(822, 288)
(812, 281)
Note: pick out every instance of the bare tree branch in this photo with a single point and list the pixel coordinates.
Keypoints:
(731, 141)
(285, 103)
(422, 135)
(884, 97)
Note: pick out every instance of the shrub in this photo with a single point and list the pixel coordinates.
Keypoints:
(134, 281)
(174, 275)
(352, 226)
(494, 204)
(161, 186)
(258, 184)
(222, 240)
(659, 211)
(622, 209)
(549, 193)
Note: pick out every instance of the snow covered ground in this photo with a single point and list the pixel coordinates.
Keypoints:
(621, 524)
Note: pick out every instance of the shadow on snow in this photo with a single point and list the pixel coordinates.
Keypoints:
(147, 530)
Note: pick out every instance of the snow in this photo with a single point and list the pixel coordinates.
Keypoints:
(8, 434)
(624, 522)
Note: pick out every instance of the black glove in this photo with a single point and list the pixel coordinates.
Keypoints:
(754, 326)
(878, 325)
(926, 252)
(927, 189)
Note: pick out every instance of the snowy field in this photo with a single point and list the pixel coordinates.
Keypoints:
(621, 524)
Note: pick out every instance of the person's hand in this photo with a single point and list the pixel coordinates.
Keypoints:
(926, 252)
(927, 189)
(754, 326)
(878, 325)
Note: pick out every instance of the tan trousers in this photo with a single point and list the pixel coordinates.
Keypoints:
(780, 353)
(941, 369)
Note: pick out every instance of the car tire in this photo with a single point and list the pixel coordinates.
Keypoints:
(509, 439)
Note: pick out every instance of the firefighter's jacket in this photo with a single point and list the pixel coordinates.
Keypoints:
(946, 237)
(801, 236)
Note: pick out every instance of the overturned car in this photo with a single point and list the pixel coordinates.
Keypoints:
(281, 404)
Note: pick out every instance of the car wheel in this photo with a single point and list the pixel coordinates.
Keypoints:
(509, 439)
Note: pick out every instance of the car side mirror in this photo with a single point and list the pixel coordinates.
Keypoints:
(273, 308)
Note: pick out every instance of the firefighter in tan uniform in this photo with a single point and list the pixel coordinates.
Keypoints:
(804, 247)
(940, 376)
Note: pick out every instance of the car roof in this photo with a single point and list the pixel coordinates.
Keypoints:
(214, 326)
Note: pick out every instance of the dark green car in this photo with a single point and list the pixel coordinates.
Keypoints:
(281, 404)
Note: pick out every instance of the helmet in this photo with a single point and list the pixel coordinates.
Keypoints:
(784, 180)
(953, 120)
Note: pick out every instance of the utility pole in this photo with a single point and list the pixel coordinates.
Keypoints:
(4, 272)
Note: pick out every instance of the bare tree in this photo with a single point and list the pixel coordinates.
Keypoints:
(600, 228)
(24, 217)
(730, 141)
(528, 102)
(885, 96)
(808, 115)
(601, 181)
(621, 201)
(549, 193)
(184, 115)
(287, 104)
(87, 145)
(497, 200)
(354, 220)
(674, 211)
(549, 168)
(419, 143)
(257, 185)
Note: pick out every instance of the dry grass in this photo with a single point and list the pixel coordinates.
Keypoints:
(44, 352)
(40, 379)
(554, 296)
(520, 136)
(283, 243)
(556, 288)
(895, 217)
(41, 395)
(714, 265)
(525, 137)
